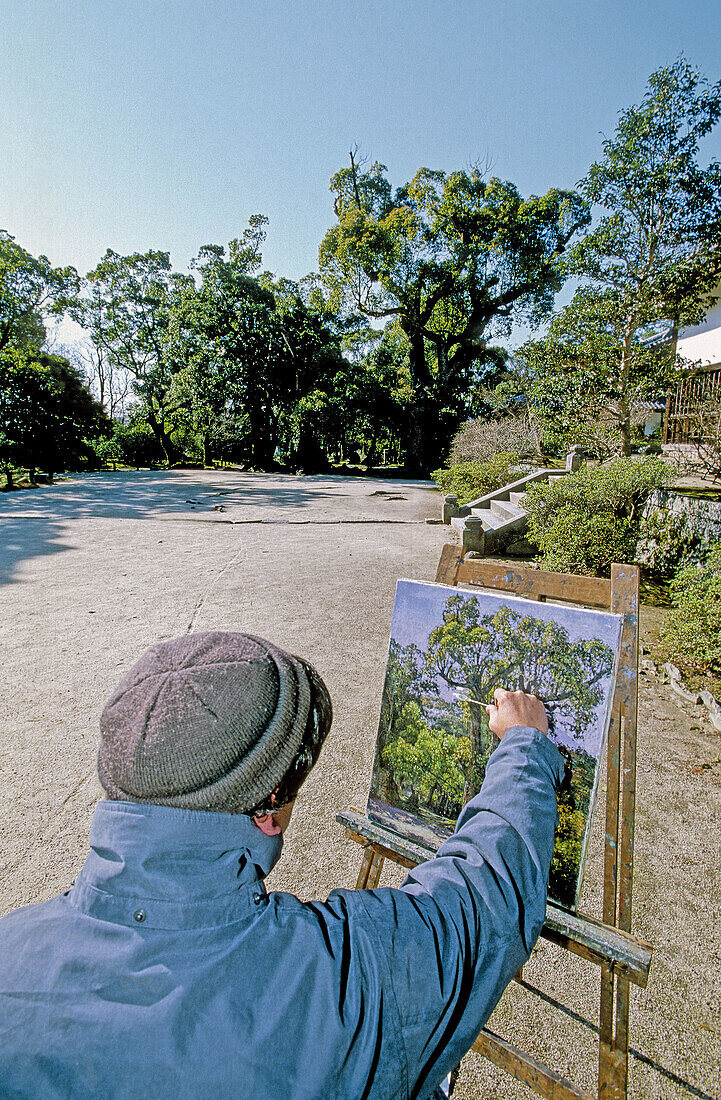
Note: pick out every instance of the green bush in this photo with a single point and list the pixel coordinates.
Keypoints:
(108, 452)
(470, 480)
(138, 445)
(691, 636)
(584, 521)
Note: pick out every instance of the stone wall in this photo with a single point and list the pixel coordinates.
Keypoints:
(675, 526)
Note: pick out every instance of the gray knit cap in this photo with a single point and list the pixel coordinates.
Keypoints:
(208, 721)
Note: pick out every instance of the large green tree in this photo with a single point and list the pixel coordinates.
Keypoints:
(454, 258)
(46, 413)
(30, 287)
(221, 346)
(251, 349)
(473, 654)
(125, 307)
(654, 255)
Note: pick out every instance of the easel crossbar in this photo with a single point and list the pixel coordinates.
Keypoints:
(526, 1069)
(591, 939)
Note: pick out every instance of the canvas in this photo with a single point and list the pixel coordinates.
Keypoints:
(449, 649)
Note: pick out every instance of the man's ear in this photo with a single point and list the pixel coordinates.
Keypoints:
(267, 824)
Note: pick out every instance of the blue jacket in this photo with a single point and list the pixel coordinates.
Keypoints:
(168, 971)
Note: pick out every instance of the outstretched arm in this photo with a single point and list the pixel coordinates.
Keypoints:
(463, 923)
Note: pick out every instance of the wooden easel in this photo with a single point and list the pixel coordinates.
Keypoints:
(621, 957)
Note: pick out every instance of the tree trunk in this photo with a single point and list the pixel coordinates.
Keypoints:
(479, 752)
(172, 453)
(624, 410)
(417, 434)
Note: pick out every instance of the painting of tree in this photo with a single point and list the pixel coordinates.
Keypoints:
(449, 650)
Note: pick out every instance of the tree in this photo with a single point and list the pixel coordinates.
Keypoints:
(453, 258)
(584, 383)
(46, 411)
(29, 288)
(654, 256)
(125, 309)
(228, 349)
(475, 654)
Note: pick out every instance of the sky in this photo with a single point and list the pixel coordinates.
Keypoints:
(137, 124)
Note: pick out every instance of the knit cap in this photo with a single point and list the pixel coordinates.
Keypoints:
(210, 721)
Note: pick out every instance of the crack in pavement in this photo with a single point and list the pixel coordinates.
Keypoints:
(198, 607)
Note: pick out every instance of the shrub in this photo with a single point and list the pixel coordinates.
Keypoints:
(584, 521)
(691, 636)
(482, 440)
(108, 452)
(138, 444)
(470, 480)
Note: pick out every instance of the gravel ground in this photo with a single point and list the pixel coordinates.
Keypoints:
(95, 569)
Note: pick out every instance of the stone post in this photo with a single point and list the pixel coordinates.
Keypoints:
(474, 537)
(450, 508)
(573, 461)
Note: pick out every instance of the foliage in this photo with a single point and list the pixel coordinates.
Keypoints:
(29, 287)
(475, 654)
(573, 799)
(471, 480)
(691, 636)
(46, 413)
(481, 440)
(432, 764)
(108, 452)
(586, 520)
(452, 257)
(654, 257)
(125, 308)
(138, 444)
(586, 380)
(567, 852)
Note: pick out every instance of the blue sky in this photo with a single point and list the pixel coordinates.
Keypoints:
(134, 124)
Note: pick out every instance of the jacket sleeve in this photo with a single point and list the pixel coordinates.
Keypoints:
(464, 922)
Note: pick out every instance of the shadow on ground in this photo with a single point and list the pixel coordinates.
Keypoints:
(146, 493)
(29, 537)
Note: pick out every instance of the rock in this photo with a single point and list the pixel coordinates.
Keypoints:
(521, 548)
(684, 693)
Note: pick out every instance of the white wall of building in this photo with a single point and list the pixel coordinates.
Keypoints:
(702, 343)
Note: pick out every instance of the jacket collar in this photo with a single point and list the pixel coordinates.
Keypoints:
(160, 867)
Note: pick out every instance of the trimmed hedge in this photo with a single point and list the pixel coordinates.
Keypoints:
(691, 636)
(470, 480)
(586, 520)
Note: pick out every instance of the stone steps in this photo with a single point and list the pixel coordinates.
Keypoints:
(493, 522)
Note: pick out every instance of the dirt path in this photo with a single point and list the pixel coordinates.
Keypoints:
(94, 570)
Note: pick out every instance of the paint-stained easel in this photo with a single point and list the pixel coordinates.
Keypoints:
(621, 957)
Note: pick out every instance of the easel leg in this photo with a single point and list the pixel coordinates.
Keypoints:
(613, 1050)
(365, 867)
(370, 869)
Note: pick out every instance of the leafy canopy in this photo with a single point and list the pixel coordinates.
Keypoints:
(478, 653)
(453, 258)
(29, 288)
